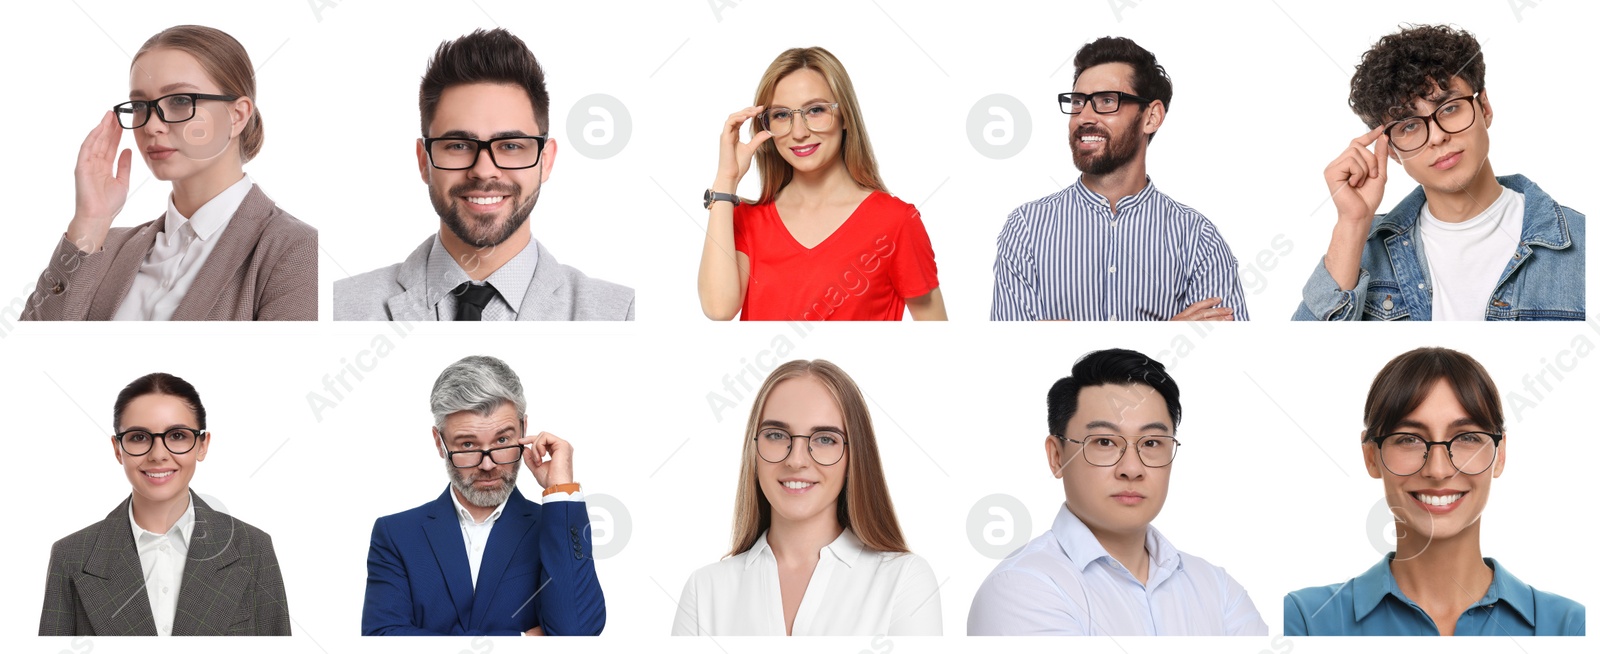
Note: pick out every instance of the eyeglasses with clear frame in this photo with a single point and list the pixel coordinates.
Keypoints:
(175, 108)
(1106, 450)
(474, 458)
(818, 116)
(1404, 454)
(826, 446)
(178, 440)
(1103, 102)
(1453, 117)
(505, 152)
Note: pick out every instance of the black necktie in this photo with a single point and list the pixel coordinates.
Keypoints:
(471, 299)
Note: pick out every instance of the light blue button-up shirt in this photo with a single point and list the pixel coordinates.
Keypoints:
(1064, 583)
(1372, 605)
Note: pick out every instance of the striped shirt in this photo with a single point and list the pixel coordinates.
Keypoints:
(1068, 257)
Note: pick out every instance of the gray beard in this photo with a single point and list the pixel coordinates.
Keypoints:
(462, 483)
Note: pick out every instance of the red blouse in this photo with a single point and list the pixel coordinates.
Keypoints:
(864, 270)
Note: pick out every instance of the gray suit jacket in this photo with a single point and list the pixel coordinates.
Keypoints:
(264, 268)
(231, 583)
(557, 292)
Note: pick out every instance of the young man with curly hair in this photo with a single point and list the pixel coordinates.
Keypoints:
(1465, 245)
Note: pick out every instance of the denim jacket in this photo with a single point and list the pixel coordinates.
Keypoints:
(1544, 280)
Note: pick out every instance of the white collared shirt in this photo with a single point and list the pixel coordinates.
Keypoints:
(1065, 583)
(853, 592)
(162, 556)
(176, 256)
(476, 534)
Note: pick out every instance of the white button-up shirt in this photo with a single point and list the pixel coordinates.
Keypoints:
(176, 256)
(476, 534)
(853, 592)
(162, 556)
(1064, 583)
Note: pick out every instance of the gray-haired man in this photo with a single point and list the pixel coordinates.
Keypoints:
(481, 559)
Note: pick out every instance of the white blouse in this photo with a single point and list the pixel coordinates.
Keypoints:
(853, 592)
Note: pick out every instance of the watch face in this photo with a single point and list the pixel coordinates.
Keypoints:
(708, 198)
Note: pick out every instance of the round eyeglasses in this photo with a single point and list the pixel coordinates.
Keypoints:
(1452, 117)
(474, 458)
(1404, 454)
(818, 116)
(774, 445)
(175, 108)
(1106, 450)
(178, 440)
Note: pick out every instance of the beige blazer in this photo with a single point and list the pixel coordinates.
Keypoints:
(264, 268)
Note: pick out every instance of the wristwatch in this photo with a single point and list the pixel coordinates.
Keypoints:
(563, 488)
(713, 196)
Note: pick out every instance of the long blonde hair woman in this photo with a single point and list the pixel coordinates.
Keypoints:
(817, 549)
(824, 240)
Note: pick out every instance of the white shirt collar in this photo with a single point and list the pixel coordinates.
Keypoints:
(846, 548)
(1083, 548)
(466, 516)
(182, 528)
(212, 216)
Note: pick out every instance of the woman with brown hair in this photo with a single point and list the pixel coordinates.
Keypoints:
(223, 250)
(164, 562)
(1436, 435)
(817, 550)
(825, 240)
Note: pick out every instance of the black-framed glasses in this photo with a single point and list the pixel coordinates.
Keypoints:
(825, 445)
(1106, 450)
(1103, 102)
(818, 116)
(175, 108)
(178, 440)
(1404, 454)
(1452, 117)
(474, 458)
(505, 152)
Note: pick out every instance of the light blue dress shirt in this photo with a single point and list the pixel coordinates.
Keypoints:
(1064, 583)
(1372, 605)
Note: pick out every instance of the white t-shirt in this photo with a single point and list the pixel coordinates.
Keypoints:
(1466, 259)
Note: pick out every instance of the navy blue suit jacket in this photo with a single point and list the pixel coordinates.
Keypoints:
(537, 570)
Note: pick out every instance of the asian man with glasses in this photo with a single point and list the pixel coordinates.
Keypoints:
(482, 560)
(1465, 245)
(1103, 569)
(485, 153)
(1435, 434)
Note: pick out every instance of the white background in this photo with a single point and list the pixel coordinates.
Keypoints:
(1269, 484)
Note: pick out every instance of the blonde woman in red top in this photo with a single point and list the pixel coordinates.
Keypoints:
(825, 240)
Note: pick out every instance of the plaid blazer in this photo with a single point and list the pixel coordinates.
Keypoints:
(231, 584)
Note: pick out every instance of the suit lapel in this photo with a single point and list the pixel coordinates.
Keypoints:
(411, 304)
(544, 300)
(232, 253)
(113, 586)
(122, 271)
(450, 550)
(207, 599)
(505, 541)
